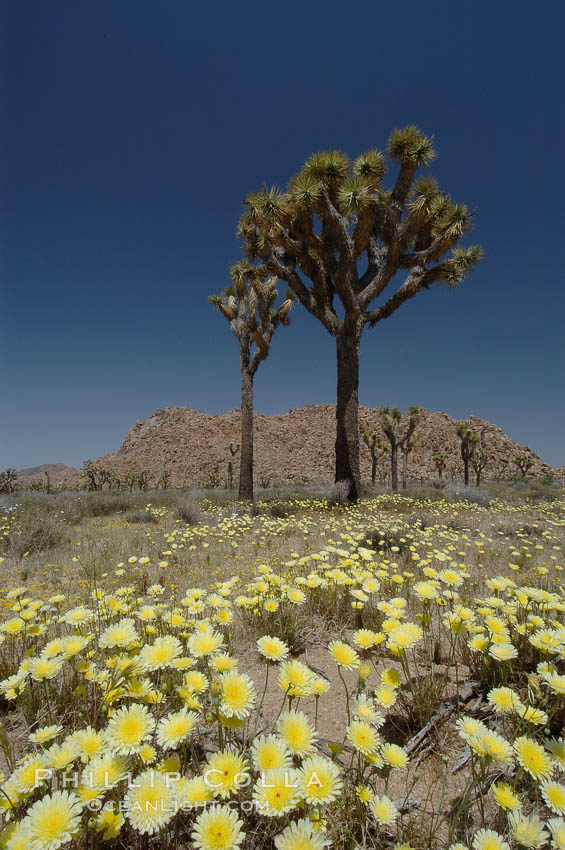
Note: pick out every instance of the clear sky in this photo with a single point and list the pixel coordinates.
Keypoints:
(133, 130)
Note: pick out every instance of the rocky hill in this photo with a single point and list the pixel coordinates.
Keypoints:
(291, 448)
(58, 474)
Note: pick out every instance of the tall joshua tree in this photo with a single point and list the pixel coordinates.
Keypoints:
(371, 440)
(397, 434)
(250, 308)
(338, 237)
(469, 440)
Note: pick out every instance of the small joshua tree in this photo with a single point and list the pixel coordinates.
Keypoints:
(233, 449)
(397, 434)
(8, 480)
(469, 440)
(164, 479)
(439, 460)
(377, 449)
(131, 480)
(142, 479)
(92, 475)
(249, 305)
(406, 448)
(115, 482)
(524, 463)
(479, 458)
(503, 465)
(105, 476)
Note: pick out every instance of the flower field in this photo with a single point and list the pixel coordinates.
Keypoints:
(384, 675)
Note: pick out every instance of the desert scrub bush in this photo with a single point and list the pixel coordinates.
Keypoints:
(105, 504)
(458, 493)
(280, 510)
(339, 493)
(432, 492)
(139, 517)
(187, 510)
(33, 530)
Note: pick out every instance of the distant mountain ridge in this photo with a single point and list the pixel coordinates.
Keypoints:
(59, 475)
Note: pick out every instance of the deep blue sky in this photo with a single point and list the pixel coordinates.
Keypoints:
(132, 132)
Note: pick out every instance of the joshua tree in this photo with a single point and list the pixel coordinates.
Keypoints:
(8, 480)
(524, 464)
(213, 476)
(376, 448)
(406, 448)
(338, 237)
(92, 475)
(142, 479)
(397, 435)
(115, 482)
(233, 448)
(164, 479)
(439, 460)
(249, 307)
(502, 467)
(479, 460)
(131, 480)
(469, 440)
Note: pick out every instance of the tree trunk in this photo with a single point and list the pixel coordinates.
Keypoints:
(478, 476)
(347, 410)
(404, 470)
(466, 466)
(373, 468)
(394, 467)
(246, 462)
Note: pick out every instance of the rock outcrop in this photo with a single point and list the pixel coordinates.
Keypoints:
(294, 447)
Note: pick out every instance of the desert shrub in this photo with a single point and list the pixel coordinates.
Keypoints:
(187, 510)
(35, 531)
(460, 493)
(438, 483)
(105, 504)
(280, 510)
(339, 493)
(522, 490)
(141, 516)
